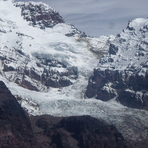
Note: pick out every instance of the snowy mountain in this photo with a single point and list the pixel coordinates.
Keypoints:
(50, 51)
(38, 57)
(47, 63)
(123, 74)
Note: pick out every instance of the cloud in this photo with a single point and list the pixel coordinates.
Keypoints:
(99, 17)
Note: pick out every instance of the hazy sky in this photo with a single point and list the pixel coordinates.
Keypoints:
(99, 17)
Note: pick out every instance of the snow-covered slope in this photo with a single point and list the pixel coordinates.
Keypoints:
(47, 67)
(130, 47)
(55, 57)
(123, 73)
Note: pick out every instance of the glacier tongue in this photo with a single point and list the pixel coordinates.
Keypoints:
(58, 104)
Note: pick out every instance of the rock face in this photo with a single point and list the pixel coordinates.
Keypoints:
(39, 14)
(78, 132)
(48, 131)
(15, 127)
(123, 74)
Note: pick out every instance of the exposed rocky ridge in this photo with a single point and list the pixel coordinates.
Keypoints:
(123, 74)
(42, 16)
(39, 14)
(30, 78)
(79, 132)
(48, 131)
(15, 127)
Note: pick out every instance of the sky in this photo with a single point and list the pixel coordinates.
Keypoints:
(99, 17)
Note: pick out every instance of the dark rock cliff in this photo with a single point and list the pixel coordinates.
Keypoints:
(39, 14)
(15, 127)
(130, 91)
(78, 132)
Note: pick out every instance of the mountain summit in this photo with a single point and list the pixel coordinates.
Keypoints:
(40, 52)
(39, 14)
(123, 73)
